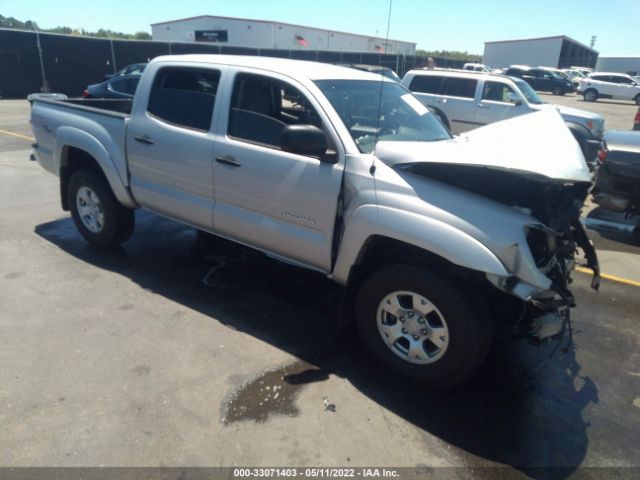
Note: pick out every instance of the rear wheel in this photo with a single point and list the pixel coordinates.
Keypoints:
(637, 99)
(590, 95)
(417, 325)
(97, 214)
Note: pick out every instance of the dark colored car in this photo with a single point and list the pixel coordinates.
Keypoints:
(133, 69)
(542, 80)
(116, 87)
(617, 185)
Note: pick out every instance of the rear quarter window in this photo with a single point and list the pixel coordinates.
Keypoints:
(426, 84)
(459, 87)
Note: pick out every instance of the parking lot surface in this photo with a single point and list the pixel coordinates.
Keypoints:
(182, 350)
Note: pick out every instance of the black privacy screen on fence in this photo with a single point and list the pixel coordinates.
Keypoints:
(32, 62)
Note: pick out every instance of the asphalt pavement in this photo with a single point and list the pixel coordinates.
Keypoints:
(182, 350)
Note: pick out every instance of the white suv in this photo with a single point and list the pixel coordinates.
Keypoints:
(610, 85)
(466, 100)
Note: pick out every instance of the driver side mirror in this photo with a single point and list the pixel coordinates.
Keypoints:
(307, 140)
(515, 99)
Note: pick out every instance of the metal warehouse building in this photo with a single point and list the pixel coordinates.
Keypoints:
(630, 65)
(267, 34)
(560, 52)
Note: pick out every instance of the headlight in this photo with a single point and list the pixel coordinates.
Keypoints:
(543, 243)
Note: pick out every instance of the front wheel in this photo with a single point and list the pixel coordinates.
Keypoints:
(97, 214)
(637, 99)
(590, 95)
(417, 325)
(558, 91)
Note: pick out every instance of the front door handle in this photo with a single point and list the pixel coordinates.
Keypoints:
(228, 160)
(144, 139)
(483, 105)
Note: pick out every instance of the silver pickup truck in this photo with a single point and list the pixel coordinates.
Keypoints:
(435, 239)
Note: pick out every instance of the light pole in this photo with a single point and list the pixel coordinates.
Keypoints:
(45, 84)
(113, 53)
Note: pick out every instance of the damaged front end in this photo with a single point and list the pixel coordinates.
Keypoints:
(545, 182)
(552, 239)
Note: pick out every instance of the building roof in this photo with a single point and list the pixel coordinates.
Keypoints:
(564, 37)
(380, 39)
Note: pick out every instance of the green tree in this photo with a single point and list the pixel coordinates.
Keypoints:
(10, 22)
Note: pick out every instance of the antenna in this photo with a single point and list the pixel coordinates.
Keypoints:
(386, 45)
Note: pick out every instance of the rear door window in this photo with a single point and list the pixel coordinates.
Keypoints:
(426, 84)
(459, 87)
(184, 96)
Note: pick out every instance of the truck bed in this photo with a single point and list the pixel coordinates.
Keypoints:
(101, 105)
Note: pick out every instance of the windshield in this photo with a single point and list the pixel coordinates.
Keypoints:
(528, 92)
(395, 116)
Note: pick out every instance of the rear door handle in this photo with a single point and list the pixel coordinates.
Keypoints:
(144, 139)
(483, 105)
(228, 160)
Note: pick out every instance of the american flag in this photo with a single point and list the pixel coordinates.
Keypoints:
(302, 41)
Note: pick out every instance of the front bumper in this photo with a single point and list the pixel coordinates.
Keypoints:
(546, 307)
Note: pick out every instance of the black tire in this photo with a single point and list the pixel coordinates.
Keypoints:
(558, 91)
(469, 334)
(590, 95)
(637, 99)
(118, 221)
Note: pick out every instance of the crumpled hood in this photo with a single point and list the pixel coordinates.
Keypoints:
(536, 144)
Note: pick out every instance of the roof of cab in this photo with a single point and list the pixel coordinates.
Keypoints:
(297, 69)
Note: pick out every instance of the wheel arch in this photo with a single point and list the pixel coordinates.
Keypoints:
(363, 251)
(77, 149)
(370, 224)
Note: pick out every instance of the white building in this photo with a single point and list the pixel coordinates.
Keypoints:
(267, 34)
(559, 51)
(630, 65)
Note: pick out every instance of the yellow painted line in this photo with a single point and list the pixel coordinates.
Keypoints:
(17, 135)
(613, 278)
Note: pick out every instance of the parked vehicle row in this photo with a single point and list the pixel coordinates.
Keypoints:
(436, 239)
(465, 100)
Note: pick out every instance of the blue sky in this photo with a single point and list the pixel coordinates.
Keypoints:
(433, 24)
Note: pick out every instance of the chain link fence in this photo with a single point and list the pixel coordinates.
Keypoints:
(35, 62)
